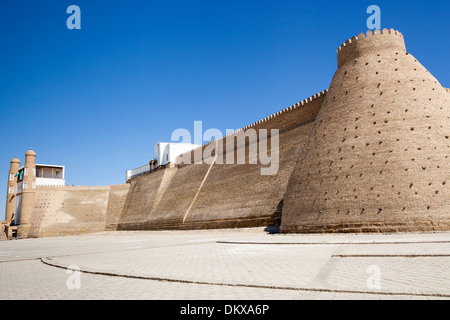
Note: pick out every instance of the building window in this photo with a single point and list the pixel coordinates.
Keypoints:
(49, 173)
(25, 171)
(25, 185)
(20, 176)
(11, 190)
(33, 185)
(11, 177)
(34, 172)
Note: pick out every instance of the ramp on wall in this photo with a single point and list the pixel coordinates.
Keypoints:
(221, 195)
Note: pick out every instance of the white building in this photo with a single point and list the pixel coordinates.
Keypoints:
(50, 175)
(165, 153)
(46, 175)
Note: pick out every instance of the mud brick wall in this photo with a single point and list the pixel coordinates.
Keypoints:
(221, 195)
(378, 156)
(116, 203)
(62, 211)
(370, 154)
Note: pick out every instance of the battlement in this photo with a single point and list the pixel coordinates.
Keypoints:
(370, 43)
(72, 187)
(298, 105)
(301, 104)
(291, 108)
(448, 90)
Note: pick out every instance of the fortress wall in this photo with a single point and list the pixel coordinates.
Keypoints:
(161, 199)
(140, 198)
(368, 155)
(116, 203)
(173, 197)
(238, 195)
(176, 199)
(221, 195)
(144, 194)
(356, 47)
(378, 156)
(62, 211)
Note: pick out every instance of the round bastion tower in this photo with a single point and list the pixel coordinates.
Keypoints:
(28, 193)
(377, 158)
(12, 189)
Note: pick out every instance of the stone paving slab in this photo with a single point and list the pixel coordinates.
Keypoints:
(36, 281)
(398, 275)
(228, 264)
(278, 266)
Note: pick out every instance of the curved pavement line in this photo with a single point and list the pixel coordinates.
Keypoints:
(319, 290)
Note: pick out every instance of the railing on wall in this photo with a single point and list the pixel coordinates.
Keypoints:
(134, 173)
(130, 174)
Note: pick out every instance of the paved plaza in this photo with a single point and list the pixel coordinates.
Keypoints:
(240, 264)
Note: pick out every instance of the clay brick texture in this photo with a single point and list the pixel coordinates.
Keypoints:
(377, 157)
(67, 211)
(220, 195)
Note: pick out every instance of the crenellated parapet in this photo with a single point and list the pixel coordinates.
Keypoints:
(119, 185)
(370, 43)
(301, 104)
(71, 188)
(298, 105)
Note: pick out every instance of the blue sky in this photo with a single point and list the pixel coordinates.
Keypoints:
(98, 99)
